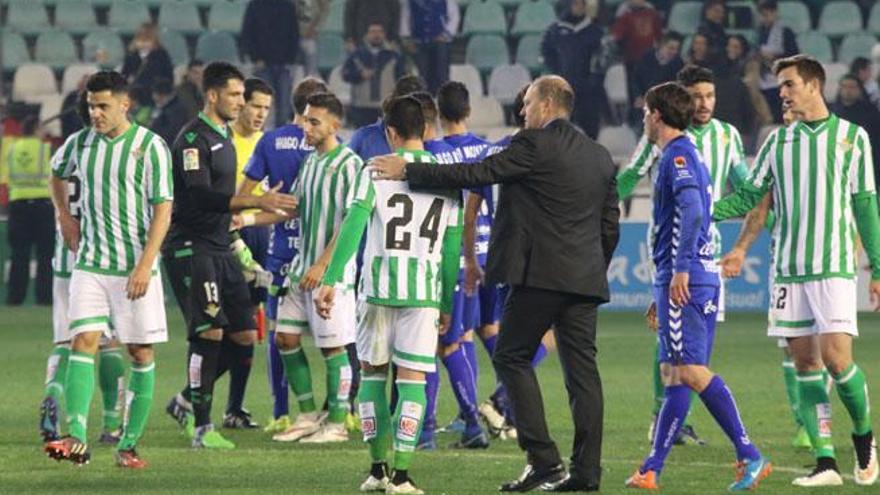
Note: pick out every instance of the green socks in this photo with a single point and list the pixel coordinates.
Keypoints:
(338, 386)
(408, 419)
(299, 376)
(79, 387)
(791, 388)
(853, 392)
(815, 411)
(140, 395)
(111, 377)
(56, 372)
(375, 416)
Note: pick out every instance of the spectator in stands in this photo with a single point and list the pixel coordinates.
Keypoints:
(712, 28)
(146, 60)
(775, 41)
(70, 118)
(733, 102)
(428, 28)
(852, 104)
(169, 114)
(361, 14)
(370, 140)
(189, 91)
(270, 38)
(698, 53)
(637, 30)
(862, 68)
(657, 66)
(312, 15)
(572, 48)
(372, 69)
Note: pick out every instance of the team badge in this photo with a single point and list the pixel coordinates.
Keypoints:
(212, 309)
(724, 139)
(137, 154)
(845, 144)
(190, 159)
(679, 161)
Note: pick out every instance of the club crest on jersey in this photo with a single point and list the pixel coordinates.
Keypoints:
(845, 144)
(679, 162)
(190, 159)
(137, 154)
(212, 309)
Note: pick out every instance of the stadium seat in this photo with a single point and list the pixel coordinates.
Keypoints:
(50, 108)
(73, 74)
(126, 16)
(816, 44)
(833, 73)
(176, 45)
(486, 113)
(56, 49)
(795, 15)
(335, 21)
(226, 16)
(469, 76)
(485, 51)
(528, 52)
(27, 17)
(32, 81)
(744, 9)
(484, 17)
(180, 16)
(104, 48)
(338, 86)
(840, 18)
(75, 16)
(15, 50)
(213, 46)
(533, 18)
(856, 45)
(685, 17)
(506, 81)
(874, 19)
(331, 52)
(619, 140)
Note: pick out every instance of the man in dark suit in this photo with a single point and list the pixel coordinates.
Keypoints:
(555, 231)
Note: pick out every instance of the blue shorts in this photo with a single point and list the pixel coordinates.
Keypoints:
(465, 315)
(491, 303)
(278, 268)
(687, 334)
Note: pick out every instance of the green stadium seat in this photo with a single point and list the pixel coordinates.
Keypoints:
(103, 47)
(874, 19)
(856, 45)
(56, 49)
(331, 52)
(795, 15)
(484, 17)
(75, 16)
(15, 52)
(533, 17)
(685, 17)
(485, 51)
(469, 76)
(506, 81)
(335, 21)
(126, 16)
(180, 16)
(73, 74)
(816, 44)
(176, 45)
(220, 45)
(528, 52)
(28, 18)
(840, 18)
(226, 16)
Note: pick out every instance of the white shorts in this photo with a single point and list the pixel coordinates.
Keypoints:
(406, 336)
(60, 322)
(98, 303)
(296, 313)
(811, 308)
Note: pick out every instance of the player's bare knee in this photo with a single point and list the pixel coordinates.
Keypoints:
(141, 354)
(248, 337)
(696, 377)
(669, 375)
(86, 342)
(468, 336)
(331, 351)
(286, 341)
(369, 369)
(215, 334)
(448, 350)
(410, 374)
(488, 331)
(836, 352)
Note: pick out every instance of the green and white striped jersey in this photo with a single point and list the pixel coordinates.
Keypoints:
(63, 259)
(402, 260)
(813, 171)
(325, 188)
(120, 179)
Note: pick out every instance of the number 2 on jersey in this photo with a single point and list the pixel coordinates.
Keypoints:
(429, 229)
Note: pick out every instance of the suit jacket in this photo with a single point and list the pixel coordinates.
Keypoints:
(556, 223)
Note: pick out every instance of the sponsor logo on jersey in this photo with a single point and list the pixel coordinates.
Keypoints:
(190, 159)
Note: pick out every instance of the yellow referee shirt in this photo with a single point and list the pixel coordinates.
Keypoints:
(244, 148)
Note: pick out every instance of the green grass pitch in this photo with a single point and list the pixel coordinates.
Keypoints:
(749, 362)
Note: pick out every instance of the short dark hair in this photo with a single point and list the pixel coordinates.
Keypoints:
(429, 107)
(852, 77)
(217, 74)
(454, 101)
(162, 86)
(518, 104)
(82, 108)
(674, 103)
(671, 36)
(807, 67)
(407, 84)
(859, 64)
(256, 85)
(307, 87)
(768, 5)
(107, 80)
(404, 115)
(693, 74)
(557, 90)
(327, 101)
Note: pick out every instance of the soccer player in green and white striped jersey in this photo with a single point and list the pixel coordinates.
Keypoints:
(820, 172)
(125, 174)
(720, 146)
(325, 188)
(410, 266)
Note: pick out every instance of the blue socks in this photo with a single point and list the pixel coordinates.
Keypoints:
(540, 354)
(719, 401)
(675, 408)
(470, 351)
(432, 390)
(277, 381)
(462, 379)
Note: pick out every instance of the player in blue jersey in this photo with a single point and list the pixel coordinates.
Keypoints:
(370, 140)
(686, 290)
(277, 159)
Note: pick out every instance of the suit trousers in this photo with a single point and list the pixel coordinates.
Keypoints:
(528, 313)
(31, 229)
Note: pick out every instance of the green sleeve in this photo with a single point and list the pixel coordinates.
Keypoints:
(868, 223)
(242, 252)
(770, 222)
(739, 203)
(449, 266)
(738, 175)
(347, 242)
(627, 181)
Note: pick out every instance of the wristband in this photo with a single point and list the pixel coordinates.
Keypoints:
(248, 219)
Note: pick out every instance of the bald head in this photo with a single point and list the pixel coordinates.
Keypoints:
(548, 98)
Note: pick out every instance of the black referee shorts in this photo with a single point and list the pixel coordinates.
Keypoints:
(211, 291)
